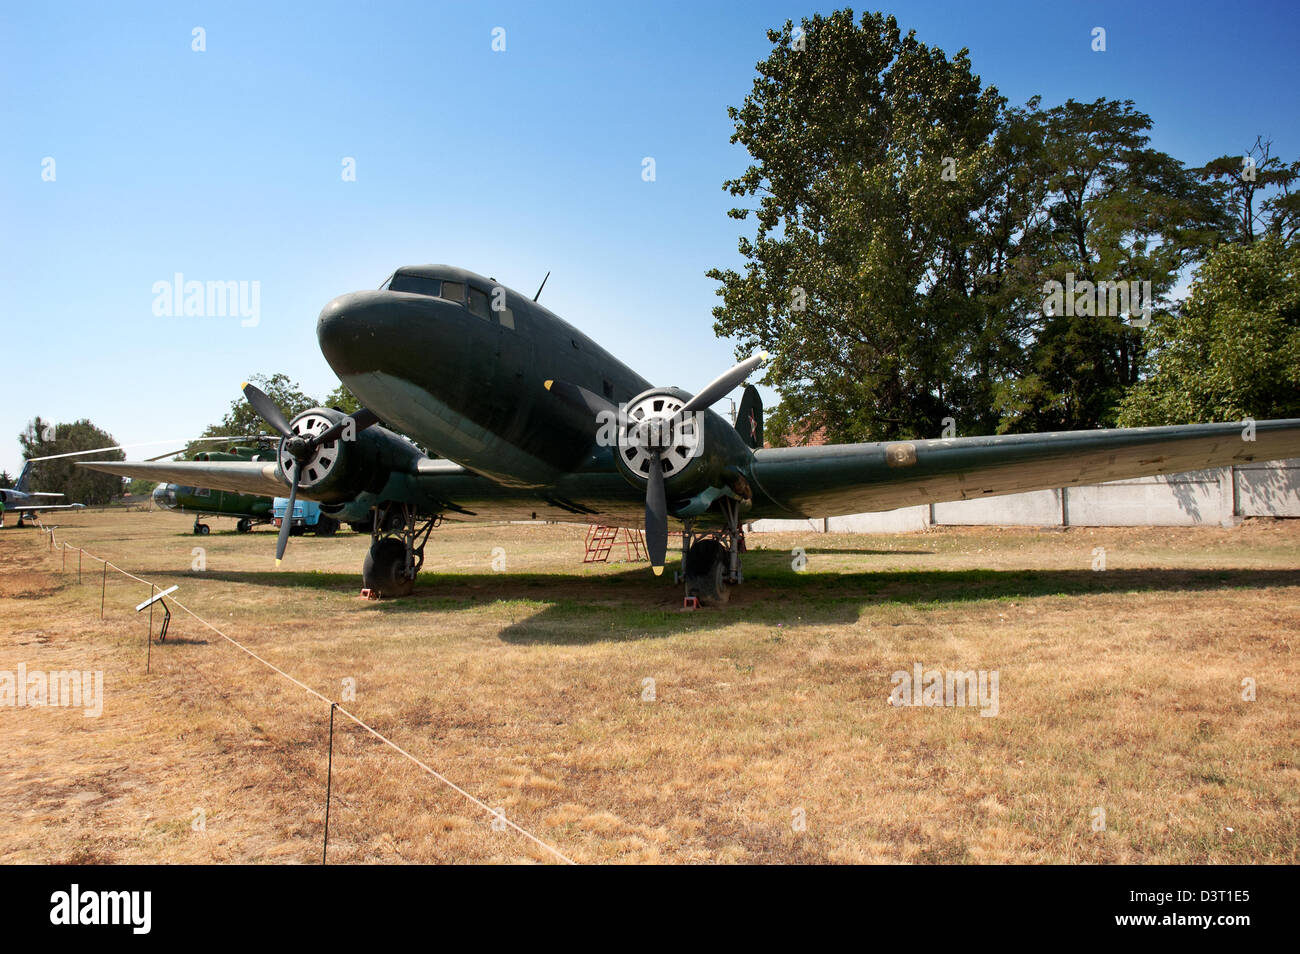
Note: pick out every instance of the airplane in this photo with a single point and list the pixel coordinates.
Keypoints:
(532, 419)
(26, 503)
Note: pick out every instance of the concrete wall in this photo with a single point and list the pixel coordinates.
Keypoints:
(1220, 496)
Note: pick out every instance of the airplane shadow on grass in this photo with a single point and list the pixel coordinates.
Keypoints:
(631, 604)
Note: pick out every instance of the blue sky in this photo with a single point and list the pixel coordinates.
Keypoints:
(225, 165)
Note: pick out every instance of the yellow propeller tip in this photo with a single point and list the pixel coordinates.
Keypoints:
(657, 570)
(547, 384)
(244, 385)
(763, 355)
(277, 562)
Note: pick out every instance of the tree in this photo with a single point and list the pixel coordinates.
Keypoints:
(241, 420)
(1233, 350)
(907, 223)
(867, 147)
(6, 481)
(77, 484)
(1256, 192)
(343, 399)
(1111, 213)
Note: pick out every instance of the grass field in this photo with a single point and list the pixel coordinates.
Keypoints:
(1120, 689)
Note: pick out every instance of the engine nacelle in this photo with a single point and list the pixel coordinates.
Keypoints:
(349, 465)
(695, 451)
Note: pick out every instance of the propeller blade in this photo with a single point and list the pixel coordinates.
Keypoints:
(723, 383)
(267, 410)
(580, 398)
(286, 524)
(656, 517)
(362, 419)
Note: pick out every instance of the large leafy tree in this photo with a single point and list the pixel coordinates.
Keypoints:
(1233, 350)
(63, 476)
(865, 144)
(242, 421)
(1106, 208)
(906, 221)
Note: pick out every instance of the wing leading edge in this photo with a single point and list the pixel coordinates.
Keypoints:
(834, 479)
(242, 476)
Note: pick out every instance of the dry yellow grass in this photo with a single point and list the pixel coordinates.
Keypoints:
(1119, 689)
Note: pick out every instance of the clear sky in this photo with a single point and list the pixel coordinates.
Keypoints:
(225, 165)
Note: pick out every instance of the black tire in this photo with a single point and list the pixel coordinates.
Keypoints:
(382, 572)
(326, 526)
(706, 572)
(202, 529)
(244, 525)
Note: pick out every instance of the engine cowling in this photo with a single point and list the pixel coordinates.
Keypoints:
(695, 451)
(343, 468)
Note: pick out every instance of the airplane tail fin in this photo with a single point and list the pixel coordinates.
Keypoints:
(749, 418)
(21, 483)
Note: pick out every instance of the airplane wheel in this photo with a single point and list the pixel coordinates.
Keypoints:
(202, 529)
(395, 522)
(706, 572)
(383, 570)
(244, 525)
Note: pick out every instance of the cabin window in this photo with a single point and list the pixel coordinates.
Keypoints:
(454, 291)
(202, 492)
(478, 302)
(608, 389)
(507, 318)
(415, 284)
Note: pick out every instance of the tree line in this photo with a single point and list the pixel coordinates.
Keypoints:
(925, 253)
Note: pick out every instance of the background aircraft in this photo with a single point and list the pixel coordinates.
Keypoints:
(27, 503)
(535, 419)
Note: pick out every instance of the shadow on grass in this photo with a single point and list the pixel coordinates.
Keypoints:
(566, 608)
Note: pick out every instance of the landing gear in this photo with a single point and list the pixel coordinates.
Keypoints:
(711, 561)
(201, 529)
(244, 525)
(326, 526)
(395, 558)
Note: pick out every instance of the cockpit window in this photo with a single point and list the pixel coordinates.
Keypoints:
(454, 291)
(415, 284)
(478, 302)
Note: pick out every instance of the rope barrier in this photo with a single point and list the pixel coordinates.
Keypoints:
(496, 815)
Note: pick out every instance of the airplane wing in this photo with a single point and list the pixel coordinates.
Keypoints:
(16, 507)
(834, 479)
(242, 476)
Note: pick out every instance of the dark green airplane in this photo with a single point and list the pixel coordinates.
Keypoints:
(533, 419)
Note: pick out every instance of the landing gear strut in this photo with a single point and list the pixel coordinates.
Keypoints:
(396, 550)
(711, 560)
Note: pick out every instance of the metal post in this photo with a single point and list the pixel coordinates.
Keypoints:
(329, 780)
(148, 653)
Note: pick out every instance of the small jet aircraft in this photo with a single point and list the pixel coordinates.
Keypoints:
(28, 503)
(533, 419)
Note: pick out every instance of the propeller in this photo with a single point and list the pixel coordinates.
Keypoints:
(301, 449)
(654, 436)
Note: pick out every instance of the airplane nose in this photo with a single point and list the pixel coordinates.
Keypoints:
(350, 330)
